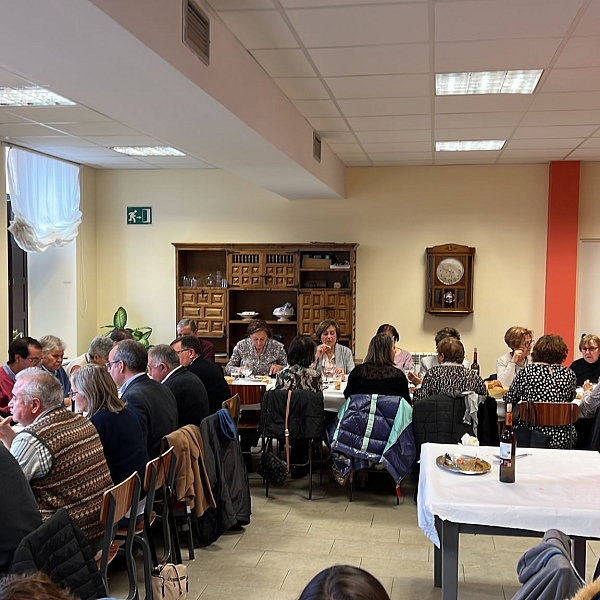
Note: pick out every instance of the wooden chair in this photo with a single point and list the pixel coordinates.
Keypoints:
(249, 421)
(116, 503)
(550, 414)
(233, 405)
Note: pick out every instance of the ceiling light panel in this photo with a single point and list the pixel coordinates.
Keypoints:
(487, 82)
(469, 145)
(31, 96)
(147, 150)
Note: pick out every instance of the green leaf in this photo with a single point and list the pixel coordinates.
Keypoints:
(146, 335)
(120, 318)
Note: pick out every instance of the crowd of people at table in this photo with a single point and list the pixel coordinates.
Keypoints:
(126, 399)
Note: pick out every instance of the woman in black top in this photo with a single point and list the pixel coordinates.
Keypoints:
(378, 374)
(587, 368)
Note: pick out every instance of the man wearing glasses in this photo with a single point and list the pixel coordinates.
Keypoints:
(23, 353)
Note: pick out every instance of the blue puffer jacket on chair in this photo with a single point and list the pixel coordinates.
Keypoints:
(371, 429)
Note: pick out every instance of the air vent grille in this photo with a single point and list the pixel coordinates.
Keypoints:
(196, 30)
(316, 146)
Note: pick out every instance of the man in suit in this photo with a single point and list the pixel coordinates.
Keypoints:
(189, 391)
(154, 403)
(211, 375)
(189, 327)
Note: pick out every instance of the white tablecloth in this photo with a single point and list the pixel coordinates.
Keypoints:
(553, 489)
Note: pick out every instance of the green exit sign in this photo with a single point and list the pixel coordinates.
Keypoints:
(139, 215)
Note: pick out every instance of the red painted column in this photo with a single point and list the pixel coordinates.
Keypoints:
(561, 251)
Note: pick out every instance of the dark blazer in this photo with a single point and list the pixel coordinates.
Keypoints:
(156, 409)
(190, 393)
(211, 376)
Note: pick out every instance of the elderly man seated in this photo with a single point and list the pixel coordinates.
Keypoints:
(97, 354)
(53, 350)
(59, 451)
(189, 327)
(189, 391)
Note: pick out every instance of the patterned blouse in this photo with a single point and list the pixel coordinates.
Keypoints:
(546, 383)
(273, 354)
(299, 378)
(450, 377)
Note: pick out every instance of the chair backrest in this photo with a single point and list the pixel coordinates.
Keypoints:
(120, 499)
(233, 406)
(549, 413)
(307, 413)
(248, 394)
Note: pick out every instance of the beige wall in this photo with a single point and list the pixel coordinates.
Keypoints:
(589, 201)
(393, 213)
(5, 335)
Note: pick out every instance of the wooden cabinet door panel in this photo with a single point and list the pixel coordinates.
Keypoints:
(280, 269)
(245, 269)
(207, 307)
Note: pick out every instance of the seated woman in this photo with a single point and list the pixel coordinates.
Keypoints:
(95, 393)
(300, 373)
(330, 354)
(587, 368)
(263, 354)
(378, 374)
(546, 380)
(402, 358)
(518, 339)
(450, 375)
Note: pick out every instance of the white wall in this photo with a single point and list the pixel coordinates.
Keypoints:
(393, 213)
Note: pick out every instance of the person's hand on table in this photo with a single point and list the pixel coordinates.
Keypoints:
(414, 378)
(274, 369)
(339, 372)
(7, 434)
(587, 386)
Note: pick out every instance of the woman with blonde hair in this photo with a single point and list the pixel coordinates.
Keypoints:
(519, 340)
(95, 394)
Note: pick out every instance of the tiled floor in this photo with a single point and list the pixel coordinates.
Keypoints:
(291, 539)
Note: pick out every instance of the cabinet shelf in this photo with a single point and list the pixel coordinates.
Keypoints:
(328, 270)
(267, 321)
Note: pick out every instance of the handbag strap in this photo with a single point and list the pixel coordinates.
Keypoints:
(287, 431)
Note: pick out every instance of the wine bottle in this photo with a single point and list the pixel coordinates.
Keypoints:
(475, 364)
(508, 448)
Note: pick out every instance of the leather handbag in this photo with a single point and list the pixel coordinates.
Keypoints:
(170, 582)
(271, 467)
(527, 435)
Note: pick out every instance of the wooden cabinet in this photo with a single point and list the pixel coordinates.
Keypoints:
(319, 280)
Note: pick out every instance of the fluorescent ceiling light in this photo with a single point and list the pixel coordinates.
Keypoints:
(31, 96)
(148, 151)
(466, 146)
(487, 82)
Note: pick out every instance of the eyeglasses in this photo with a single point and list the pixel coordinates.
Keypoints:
(184, 350)
(589, 348)
(34, 360)
(72, 394)
(111, 362)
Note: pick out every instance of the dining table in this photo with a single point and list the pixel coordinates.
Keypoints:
(554, 489)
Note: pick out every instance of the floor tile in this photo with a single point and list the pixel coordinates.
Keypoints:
(303, 545)
(277, 528)
(228, 592)
(271, 513)
(241, 558)
(515, 543)
(401, 569)
(297, 560)
(350, 532)
(330, 515)
(251, 577)
(379, 549)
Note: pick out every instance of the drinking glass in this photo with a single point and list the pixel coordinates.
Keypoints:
(328, 372)
(246, 369)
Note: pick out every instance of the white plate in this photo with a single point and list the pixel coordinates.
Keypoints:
(248, 316)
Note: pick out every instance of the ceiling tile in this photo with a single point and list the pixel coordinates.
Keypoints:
(124, 163)
(567, 101)
(533, 145)
(562, 117)
(483, 103)
(464, 160)
(372, 60)
(398, 147)
(558, 131)
(239, 4)
(499, 119)
(317, 108)
(360, 163)
(494, 55)
(354, 157)
(422, 135)
(381, 107)
(25, 129)
(48, 143)
(590, 23)
(388, 123)
(401, 156)
(461, 156)
(302, 88)
(580, 52)
(284, 63)
(593, 142)
(122, 140)
(585, 153)
(321, 3)
(328, 124)
(498, 19)
(346, 148)
(106, 128)
(59, 114)
(476, 133)
(341, 137)
(361, 25)
(176, 162)
(572, 80)
(403, 163)
(7, 117)
(90, 152)
(507, 160)
(379, 86)
(259, 29)
(8, 79)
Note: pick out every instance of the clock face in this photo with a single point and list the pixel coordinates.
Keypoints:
(450, 271)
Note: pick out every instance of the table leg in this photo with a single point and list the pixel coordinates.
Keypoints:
(449, 560)
(437, 557)
(579, 548)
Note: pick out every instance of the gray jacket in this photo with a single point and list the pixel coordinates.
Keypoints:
(343, 358)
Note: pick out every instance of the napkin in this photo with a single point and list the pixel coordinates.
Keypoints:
(469, 440)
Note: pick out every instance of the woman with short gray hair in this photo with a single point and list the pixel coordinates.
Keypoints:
(97, 354)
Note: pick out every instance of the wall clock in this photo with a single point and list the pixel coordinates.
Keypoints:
(449, 280)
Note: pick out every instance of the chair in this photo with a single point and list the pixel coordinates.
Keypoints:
(233, 406)
(116, 503)
(306, 422)
(550, 414)
(249, 420)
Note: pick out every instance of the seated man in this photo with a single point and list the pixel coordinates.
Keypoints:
(57, 446)
(450, 375)
(53, 350)
(153, 403)
(97, 354)
(189, 391)
(188, 348)
(189, 327)
(23, 353)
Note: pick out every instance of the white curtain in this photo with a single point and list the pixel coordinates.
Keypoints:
(44, 195)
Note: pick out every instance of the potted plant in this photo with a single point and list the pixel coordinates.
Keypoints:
(140, 334)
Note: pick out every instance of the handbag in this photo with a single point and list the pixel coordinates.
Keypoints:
(170, 582)
(528, 436)
(271, 467)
